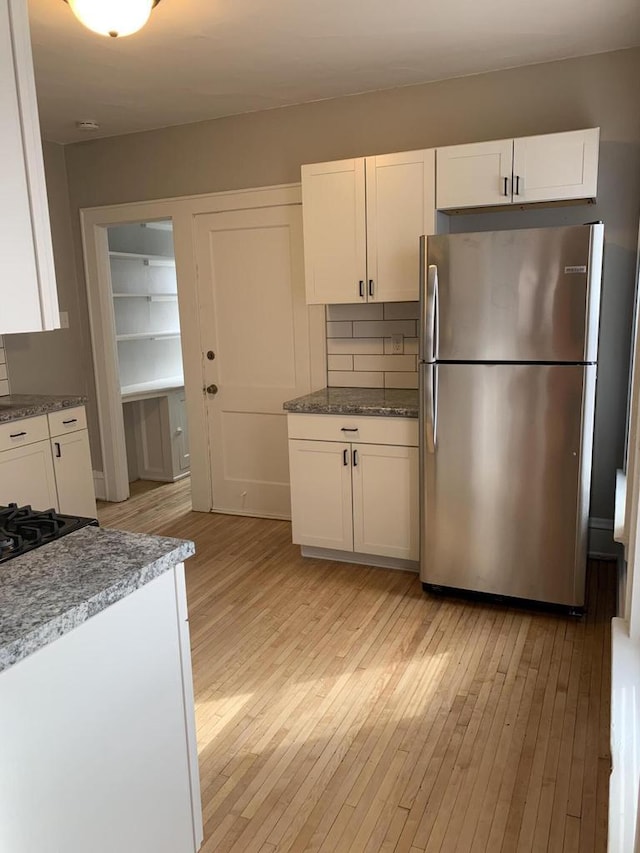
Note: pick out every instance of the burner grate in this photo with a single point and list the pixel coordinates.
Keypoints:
(23, 528)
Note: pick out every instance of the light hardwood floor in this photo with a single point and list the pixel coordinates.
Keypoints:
(339, 708)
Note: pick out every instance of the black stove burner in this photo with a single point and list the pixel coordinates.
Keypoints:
(23, 528)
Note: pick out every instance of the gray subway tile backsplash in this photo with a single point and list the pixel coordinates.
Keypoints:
(360, 346)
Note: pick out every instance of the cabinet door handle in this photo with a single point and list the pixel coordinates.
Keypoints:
(361, 289)
(58, 450)
(355, 458)
(517, 187)
(348, 429)
(345, 457)
(17, 434)
(370, 287)
(70, 421)
(506, 186)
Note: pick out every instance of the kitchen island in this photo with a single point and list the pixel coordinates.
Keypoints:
(96, 698)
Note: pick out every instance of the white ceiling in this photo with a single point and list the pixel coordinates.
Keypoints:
(200, 59)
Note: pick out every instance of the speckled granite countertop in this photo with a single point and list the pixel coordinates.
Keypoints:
(17, 406)
(384, 402)
(49, 591)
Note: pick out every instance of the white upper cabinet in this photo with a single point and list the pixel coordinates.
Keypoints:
(400, 208)
(335, 247)
(362, 221)
(556, 167)
(27, 277)
(532, 169)
(474, 175)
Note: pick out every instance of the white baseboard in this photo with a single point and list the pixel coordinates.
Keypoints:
(98, 485)
(601, 542)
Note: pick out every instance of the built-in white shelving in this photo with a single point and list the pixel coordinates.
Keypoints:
(148, 336)
(152, 297)
(157, 385)
(149, 260)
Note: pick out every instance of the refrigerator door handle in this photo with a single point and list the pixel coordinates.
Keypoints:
(431, 314)
(430, 407)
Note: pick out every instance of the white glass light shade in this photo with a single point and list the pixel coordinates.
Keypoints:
(112, 17)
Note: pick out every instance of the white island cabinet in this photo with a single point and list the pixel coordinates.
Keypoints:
(354, 488)
(97, 726)
(27, 277)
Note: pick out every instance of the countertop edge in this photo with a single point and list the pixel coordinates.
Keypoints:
(39, 637)
(22, 411)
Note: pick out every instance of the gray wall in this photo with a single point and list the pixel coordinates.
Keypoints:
(267, 148)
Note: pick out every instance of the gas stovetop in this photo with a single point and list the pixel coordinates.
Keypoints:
(23, 528)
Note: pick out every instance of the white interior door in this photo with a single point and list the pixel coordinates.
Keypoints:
(254, 320)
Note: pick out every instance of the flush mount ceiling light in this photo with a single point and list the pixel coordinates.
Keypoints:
(113, 18)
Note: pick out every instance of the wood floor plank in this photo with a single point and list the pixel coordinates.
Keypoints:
(340, 709)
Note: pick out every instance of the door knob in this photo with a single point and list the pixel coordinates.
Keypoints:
(211, 389)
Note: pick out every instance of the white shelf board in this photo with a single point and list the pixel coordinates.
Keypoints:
(156, 386)
(148, 336)
(150, 260)
(152, 297)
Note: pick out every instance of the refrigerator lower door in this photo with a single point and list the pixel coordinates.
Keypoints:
(506, 478)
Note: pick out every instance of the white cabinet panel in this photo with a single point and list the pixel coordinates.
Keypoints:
(556, 167)
(97, 730)
(321, 494)
(22, 432)
(73, 473)
(385, 501)
(333, 205)
(27, 276)
(474, 175)
(400, 208)
(26, 476)
(67, 420)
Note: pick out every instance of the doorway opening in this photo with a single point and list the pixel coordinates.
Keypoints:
(144, 291)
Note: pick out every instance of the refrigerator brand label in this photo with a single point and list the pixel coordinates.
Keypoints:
(578, 269)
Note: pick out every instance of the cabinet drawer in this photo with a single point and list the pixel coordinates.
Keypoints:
(358, 428)
(67, 420)
(26, 431)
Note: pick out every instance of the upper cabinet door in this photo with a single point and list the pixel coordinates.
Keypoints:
(556, 166)
(400, 208)
(333, 207)
(475, 175)
(27, 276)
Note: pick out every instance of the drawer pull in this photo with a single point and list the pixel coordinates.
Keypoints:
(17, 434)
(70, 421)
(348, 429)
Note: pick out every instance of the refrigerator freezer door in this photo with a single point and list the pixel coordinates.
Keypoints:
(522, 295)
(506, 488)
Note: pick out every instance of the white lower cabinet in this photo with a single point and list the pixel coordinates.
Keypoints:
(74, 477)
(45, 462)
(27, 477)
(321, 513)
(355, 496)
(385, 500)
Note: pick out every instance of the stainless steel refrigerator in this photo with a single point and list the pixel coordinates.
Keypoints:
(508, 353)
